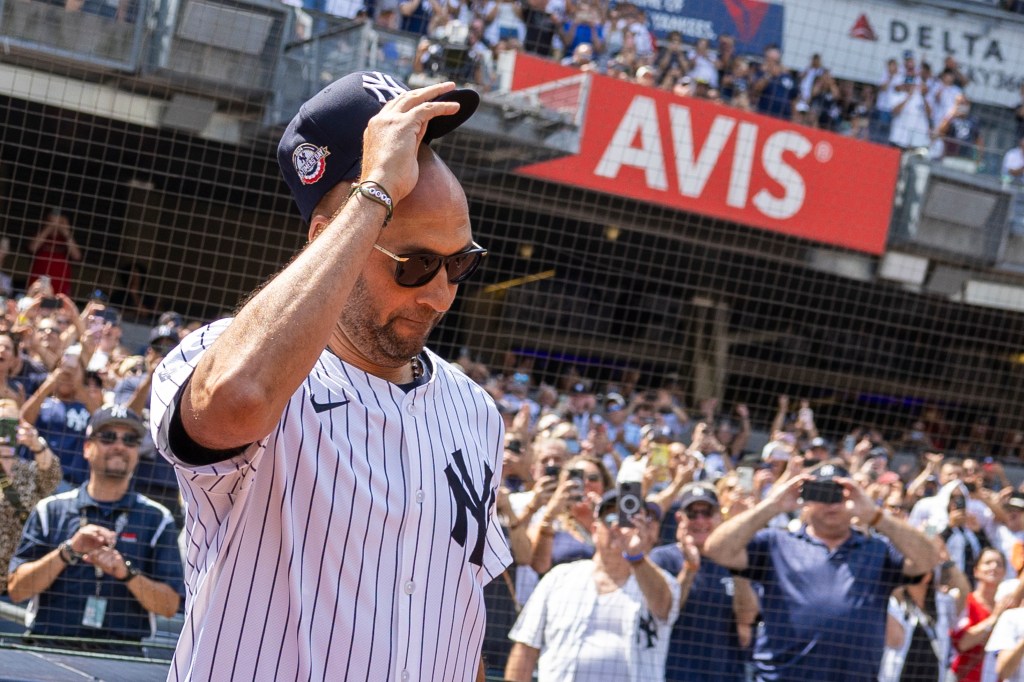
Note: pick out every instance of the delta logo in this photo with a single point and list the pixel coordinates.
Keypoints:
(862, 29)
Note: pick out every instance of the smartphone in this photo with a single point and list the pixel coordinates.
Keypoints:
(8, 431)
(70, 360)
(959, 502)
(515, 446)
(826, 492)
(576, 475)
(49, 303)
(552, 470)
(658, 455)
(631, 501)
(745, 479)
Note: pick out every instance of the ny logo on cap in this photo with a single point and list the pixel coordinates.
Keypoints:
(382, 85)
(119, 412)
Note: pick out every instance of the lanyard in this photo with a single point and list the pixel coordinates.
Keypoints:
(119, 526)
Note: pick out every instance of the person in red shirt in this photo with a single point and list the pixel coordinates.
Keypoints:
(53, 249)
(980, 615)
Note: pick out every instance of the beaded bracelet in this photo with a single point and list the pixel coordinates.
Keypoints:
(375, 192)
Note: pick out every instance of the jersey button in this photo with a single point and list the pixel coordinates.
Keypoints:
(411, 408)
(405, 676)
(410, 587)
(419, 496)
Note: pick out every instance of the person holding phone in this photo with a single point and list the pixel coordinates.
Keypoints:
(53, 249)
(826, 584)
(606, 618)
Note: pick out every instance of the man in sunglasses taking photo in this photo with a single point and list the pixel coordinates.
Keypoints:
(98, 561)
(339, 479)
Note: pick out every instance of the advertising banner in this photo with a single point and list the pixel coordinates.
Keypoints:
(856, 38)
(708, 159)
(753, 23)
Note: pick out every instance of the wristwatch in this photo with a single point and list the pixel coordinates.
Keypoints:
(133, 572)
(67, 554)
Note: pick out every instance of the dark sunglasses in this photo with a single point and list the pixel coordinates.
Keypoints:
(699, 513)
(417, 269)
(592, 478)
(129, 440)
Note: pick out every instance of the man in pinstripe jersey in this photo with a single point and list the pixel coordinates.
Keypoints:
(339, 479)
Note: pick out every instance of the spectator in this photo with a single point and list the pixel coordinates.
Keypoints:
(943, 96)
(1018, 113)
(917, 644)
(1007, 643)
(10, 387)
(585, 25)
(982, 612)
(609, 618)
(776, 91)
(416, 15)
(563, 531)
(647, 76)
(542, 18)
(59, 411)
(911, 114)
(960, 133)
(1008, 536)
(672, 55)
(881, 116)
(504, 19)
(546, 457)
(24, 482)
(726, 58)
(809, 77)
(826, 577)
(1013, 163)
(100, 561)
(703, 66)
(53, 248)
(716, 610)
(826, 104)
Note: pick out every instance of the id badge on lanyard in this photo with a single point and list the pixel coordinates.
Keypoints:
(95, 605)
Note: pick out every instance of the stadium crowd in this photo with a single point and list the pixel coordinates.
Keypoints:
(652, 539)
(913, 105)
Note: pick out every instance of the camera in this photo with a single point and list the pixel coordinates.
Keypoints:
(959, 502)
(630, 502)
(576, 475)
(515, 446)
(50, 303)
(826, 492)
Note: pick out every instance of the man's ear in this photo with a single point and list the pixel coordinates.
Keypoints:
(317, 224)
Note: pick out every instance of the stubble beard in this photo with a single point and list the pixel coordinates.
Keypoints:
(381, 344)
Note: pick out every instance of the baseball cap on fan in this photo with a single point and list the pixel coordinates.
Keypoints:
(323, 144)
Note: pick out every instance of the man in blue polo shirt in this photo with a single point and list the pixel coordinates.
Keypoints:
(714, 605)
(99, 561)
(826, 585)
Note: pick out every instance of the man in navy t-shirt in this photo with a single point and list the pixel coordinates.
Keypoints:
(825, 586)
(704, 644)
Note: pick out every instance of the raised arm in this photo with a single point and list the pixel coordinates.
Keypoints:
(727, 544)
(243, 381)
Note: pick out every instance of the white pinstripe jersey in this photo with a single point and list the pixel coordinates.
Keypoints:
(350, 544)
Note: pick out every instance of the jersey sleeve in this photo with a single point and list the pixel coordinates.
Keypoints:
(170, 376)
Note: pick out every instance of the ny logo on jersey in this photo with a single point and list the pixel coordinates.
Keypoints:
(382, 85)
(647, 627)
(469, 502)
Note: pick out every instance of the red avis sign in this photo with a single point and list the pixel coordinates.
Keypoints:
(714, 160)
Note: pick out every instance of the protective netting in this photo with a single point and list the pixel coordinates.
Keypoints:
(718, 231)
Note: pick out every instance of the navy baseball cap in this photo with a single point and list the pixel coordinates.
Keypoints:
(698, 492)
(115, 414)
(323, 144)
